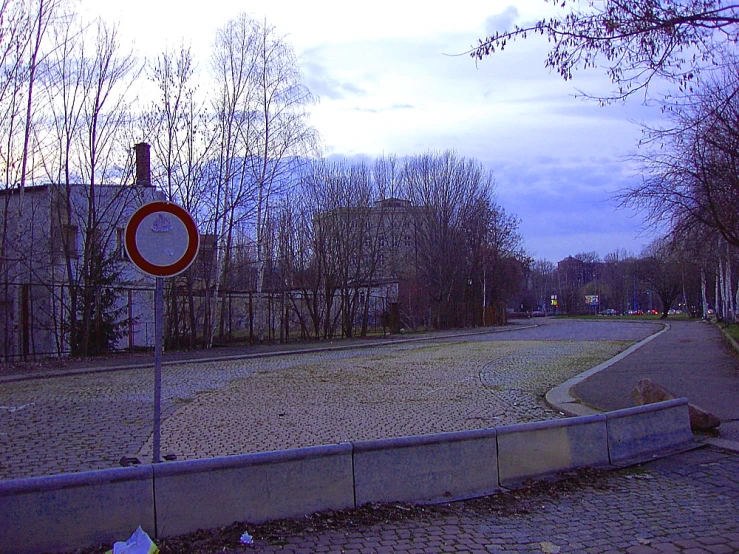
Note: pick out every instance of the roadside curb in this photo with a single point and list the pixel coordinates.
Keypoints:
(731, 340)
(723, 444)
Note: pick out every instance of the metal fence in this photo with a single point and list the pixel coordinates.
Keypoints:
(35, 318)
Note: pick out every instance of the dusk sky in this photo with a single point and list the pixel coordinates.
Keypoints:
(389, 79)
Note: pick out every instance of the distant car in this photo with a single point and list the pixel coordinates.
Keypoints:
(653, 312)
(635, 312)
(609, 311)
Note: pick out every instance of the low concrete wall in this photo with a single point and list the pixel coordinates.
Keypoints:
(65, 512)
(429, 468)
(637, 434)
(253, 487)
(531, 450)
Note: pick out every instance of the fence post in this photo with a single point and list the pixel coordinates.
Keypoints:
(131, 339)
(24, 321)
(251, 319)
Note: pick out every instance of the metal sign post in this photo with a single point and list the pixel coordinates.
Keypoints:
(161, 240)
(159, 338)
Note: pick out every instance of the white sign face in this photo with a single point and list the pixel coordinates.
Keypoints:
(162, 239)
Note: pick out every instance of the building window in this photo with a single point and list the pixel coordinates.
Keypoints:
(65, 243)
(69, 233)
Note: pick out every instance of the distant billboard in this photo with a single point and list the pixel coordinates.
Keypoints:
(592, 299)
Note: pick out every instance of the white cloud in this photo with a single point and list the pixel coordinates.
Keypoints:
(503, 21)
(390, 80)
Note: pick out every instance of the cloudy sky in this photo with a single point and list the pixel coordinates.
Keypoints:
(390, 79)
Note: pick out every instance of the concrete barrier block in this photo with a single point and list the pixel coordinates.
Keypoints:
(644, 432)
(201, 494)
(77, 510)
(539, 449)
(429, 468)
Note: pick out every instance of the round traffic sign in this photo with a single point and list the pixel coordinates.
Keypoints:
(161, 239)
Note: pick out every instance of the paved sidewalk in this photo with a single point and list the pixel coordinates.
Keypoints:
(691, 359)
(686, 503)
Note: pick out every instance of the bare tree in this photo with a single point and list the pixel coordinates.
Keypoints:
(357, 242)
(24, 29)
(15, 35)
(660, 268)
(107, 75)
(40, 17)
(302, 252)
(176, 126)
(318, 277)
(388, 176)
(358, 230)
(615, 273)
(87, 83)
(635, 40)
(234, 63)
(691, 166)
(450, 192)
(260, 112)
(543, 282)
(282, 137)
(505, 261)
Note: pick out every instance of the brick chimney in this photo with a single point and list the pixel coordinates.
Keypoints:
(143, 165)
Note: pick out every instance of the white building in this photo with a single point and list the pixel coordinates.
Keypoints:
(48, 236)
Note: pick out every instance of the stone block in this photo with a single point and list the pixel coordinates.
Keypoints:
(202, 494)
(540, 449)
(649, 392)
(426, 468)
(77, 510)
(646, 432)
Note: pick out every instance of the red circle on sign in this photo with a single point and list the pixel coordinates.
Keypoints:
(142, 263)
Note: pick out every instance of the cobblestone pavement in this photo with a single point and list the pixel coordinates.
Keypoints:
(686, 503)
(219, 407)
(430, 388)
